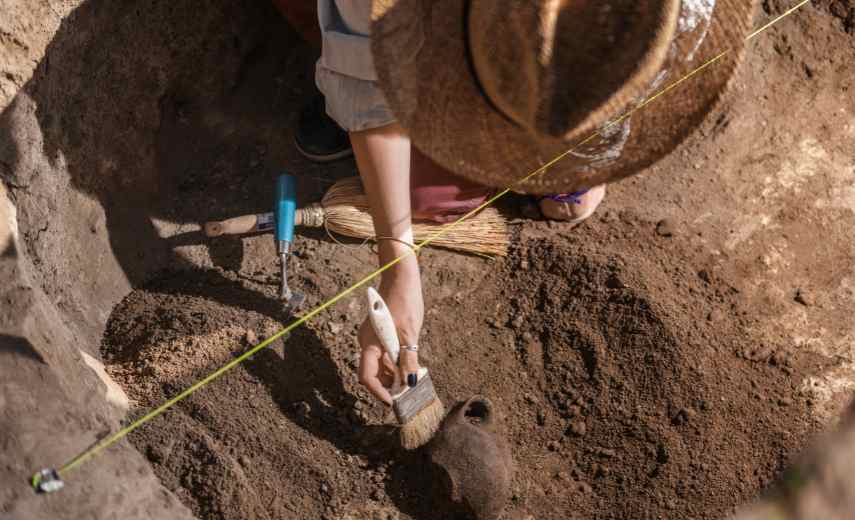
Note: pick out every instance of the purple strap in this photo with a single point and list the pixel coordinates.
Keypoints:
(567, 197)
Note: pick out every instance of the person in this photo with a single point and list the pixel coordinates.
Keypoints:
(444, 102)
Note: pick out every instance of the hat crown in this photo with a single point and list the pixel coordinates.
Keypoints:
(564, 67)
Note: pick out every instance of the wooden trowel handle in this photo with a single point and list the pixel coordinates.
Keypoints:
(247, 224)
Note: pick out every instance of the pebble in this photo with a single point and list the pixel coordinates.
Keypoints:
(302, 409)
(715, 316)
(606, 452)
(684, 416)
(553, 446)
(600, 471)
(245, 461)
(518, 322)
(250, 337)
(804, 297)
(665, 227)
(583, 487)
(335, 328)
(662, 455)
(578, 428)
(541, 417)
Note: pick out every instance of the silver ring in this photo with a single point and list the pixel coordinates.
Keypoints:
(411, 348)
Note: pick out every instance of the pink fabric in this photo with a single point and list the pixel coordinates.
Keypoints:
(437, 194)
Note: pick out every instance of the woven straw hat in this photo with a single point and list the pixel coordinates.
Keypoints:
(493, 89)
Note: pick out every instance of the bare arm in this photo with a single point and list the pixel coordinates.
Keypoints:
(383, 158)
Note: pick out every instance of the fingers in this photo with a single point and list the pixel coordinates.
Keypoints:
(409, 367)
(369, 374)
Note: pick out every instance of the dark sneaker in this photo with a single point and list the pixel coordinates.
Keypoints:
(318, 137)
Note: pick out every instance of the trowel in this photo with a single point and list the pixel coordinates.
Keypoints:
(284, 211)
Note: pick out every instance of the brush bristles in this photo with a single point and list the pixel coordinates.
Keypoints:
(421, 428)
(347, 213)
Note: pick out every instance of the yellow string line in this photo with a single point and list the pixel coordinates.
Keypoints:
(108, 441)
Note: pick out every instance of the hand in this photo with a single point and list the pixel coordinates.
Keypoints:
(401, 290)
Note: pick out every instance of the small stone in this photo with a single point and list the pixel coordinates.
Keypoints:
(578, 428)
(563, 476)
(574, 411)
(541, 417)
(245, 461)
(600, 471)
(662, 455)
(335, 328)
(583, 487)
(530, 398)
(302, 409)
(250, 337)
(606, 453)
(553, 446)
(715, 315)
(804, 297)
(527, 337)
(517, 322)
(376, 495)
(524, 265)
(683, 416)
(704, 275)
(324, 488)
(665, 227)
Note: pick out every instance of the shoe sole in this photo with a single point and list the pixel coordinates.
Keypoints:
(347, 152)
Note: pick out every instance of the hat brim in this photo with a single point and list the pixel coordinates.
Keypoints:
(423, 67)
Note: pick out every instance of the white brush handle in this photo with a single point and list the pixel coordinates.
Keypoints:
(383, 324)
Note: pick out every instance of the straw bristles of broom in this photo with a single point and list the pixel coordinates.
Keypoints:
(346, 212)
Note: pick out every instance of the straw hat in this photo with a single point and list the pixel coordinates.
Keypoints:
(493, 89)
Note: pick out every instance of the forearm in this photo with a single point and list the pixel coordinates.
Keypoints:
(383, 158)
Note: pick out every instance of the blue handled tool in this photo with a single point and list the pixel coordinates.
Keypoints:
(284, 211)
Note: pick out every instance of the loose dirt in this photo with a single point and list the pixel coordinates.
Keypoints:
(629, 385)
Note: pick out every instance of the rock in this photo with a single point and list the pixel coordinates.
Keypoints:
(715, 316)
(245, 461)
(541, 417)
(599, 470)
(665, 227)
(584, 488)
(578, 427)
(805, 297)
(605, 453)
(517, 322)
(662, 455)
(302, 409)
(335, 328)
(683, 416)
(704, 275)
(553, 446)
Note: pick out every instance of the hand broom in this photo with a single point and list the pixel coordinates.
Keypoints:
(344, 210)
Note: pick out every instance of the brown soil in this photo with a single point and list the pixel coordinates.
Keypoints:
(629, 385)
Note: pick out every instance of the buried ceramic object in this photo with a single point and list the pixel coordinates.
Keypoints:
(475, 458)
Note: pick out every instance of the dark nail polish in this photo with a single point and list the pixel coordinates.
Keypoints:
(412, 379)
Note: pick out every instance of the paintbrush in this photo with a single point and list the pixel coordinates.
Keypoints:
(417, 408)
